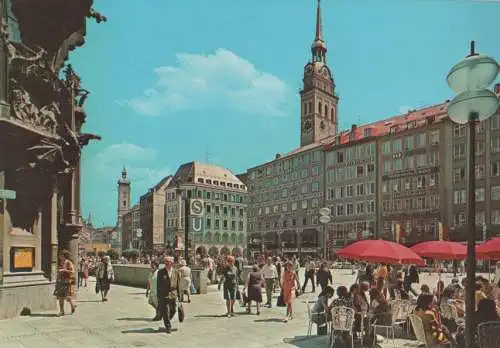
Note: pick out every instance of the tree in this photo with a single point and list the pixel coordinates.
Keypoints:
(113, 254)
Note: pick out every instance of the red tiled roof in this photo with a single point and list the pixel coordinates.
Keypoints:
(383, 127)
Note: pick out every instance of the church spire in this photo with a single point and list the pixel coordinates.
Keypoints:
(318, 47)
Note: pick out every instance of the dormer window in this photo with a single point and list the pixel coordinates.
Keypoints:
(229, 184)
(411, 124)
(208, 181)
(222, 183)
(368, 132)
(216, 182)
(393, 130)
(201, 181)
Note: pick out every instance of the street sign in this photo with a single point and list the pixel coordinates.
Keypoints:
(196, 207)
(7, 194)
(324, 211)
(324, 219)
(195, 224)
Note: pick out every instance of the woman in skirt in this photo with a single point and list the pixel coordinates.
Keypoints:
(253, 287)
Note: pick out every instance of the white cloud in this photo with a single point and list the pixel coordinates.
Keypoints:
(219, 80)
(143, 165)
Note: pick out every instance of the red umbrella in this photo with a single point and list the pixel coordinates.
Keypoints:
(489, 249)
(441, 250)
(380, 251)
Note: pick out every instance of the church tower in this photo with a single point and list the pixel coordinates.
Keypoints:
(318, 115)
(123, 197)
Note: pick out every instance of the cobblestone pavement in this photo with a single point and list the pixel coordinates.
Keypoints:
(124, 321)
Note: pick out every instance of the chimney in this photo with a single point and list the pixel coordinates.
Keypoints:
(497, 88)
(353, 128)
(278, 156)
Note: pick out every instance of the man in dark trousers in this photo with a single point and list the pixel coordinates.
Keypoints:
(167, 292)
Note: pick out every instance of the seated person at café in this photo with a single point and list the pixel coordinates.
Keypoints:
(343, 300)
(431, 320)
(399, 288)
(321, 312)
(361, 305)
(486, 311)
(380, 310)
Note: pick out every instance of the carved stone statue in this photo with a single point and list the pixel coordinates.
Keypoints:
(48, 115)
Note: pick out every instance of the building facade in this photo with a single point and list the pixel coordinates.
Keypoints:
(152, 216)
(415, 169)
(222, 230)
(131, 228)
(285, 196)
(351, 189)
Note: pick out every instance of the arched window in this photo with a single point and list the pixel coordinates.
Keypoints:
(319, 108)
(326, 110)
(332, 114)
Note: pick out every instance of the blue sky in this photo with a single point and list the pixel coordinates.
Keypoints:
(173, 81)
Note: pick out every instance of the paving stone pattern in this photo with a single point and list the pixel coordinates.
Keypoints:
(124, 321)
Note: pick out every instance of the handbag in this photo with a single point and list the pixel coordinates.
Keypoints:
(280, 302)
(180, 312)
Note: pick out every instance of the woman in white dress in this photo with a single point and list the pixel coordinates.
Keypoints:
(184, 281)
(151, 289)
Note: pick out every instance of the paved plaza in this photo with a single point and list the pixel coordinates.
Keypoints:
(124, 321)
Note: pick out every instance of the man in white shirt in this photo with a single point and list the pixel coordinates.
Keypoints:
(270, 274)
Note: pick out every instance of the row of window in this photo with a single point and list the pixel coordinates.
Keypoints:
(460, 150)
(350, 172)
(352, 209)
(285, 223)
(286, 164)
(286, 178)
(460, 130)
(410, 183)
(460, 196)
(322, 110)
(420, 227)
(343, 231)
(410, 142)
(353, 153)
(358, 190)
(174, 223)
(285, 193)
(304, 204)
(411, 162)
(427, 202)
(219, 183)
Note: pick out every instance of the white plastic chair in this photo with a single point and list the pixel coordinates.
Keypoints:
(311, 316)
(489, 334)
(342, 321)
(399, 317)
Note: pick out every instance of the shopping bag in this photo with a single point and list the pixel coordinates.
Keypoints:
(280, 302)
(180, 311)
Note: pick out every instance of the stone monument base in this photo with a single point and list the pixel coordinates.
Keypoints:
(29, 292)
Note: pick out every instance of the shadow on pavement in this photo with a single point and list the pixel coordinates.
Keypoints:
(83, 301)
(146, 330)
(43, 315)
(305, 342)
(210, 316)
(134, 319)
(270, 320)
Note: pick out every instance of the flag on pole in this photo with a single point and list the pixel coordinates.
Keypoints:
(440, 231)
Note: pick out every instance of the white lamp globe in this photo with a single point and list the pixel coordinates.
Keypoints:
(473, 73)
(481, 103)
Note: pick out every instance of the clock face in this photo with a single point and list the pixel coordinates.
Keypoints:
(197, 207)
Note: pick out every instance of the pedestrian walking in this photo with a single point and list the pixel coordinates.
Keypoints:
(253, 288)
(230, 283)
(65, 282)
(270, 274)
(151, 293)
(168, 292)
(105, 276)
(289, 284)
(185, 281)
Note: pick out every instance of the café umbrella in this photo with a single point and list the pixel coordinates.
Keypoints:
(441, 250)
(382, 251)
(489, 250)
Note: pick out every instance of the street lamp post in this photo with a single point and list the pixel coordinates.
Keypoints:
(474, 103)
